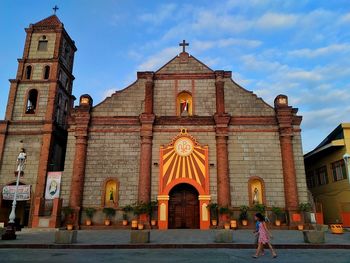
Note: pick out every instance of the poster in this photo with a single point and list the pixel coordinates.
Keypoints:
(23, 192)
(53, 184)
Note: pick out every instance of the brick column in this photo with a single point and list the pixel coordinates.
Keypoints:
(222, 120)
(285, 114)
(146, 133)
(82, 120)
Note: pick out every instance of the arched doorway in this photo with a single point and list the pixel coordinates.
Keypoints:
(183, 207)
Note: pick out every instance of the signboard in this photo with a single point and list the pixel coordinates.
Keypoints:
(53, 185)
(23, 192)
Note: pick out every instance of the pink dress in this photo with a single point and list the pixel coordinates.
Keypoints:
(263, 234)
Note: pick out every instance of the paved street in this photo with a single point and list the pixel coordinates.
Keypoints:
(96, 249)
(170, 255)
(179, 236)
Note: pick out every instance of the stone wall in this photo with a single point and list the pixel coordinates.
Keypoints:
(112, 155)
(33, 49)
(32, 144)
(191, 66)
(299, 168)
(126, 102)
(21, 103)
(240, 102)
(253, 153)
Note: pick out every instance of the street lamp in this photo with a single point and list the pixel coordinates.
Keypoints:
(346, 158)
(10, 230)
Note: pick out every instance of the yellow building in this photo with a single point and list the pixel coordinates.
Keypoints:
(327, 175)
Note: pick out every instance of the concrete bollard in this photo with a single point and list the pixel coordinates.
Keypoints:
(224, 236)
(139, 236)
(66, 236)
(314, 236)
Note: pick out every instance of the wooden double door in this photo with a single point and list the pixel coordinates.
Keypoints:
(183, 207)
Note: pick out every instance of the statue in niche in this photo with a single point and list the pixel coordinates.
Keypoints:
(256, 196)
(184, 108)
(111, 195)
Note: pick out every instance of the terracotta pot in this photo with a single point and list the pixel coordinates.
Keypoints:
(153, 222)
(300, 227)
(125, 222)
(233, 224)
(107, 222)
(244, 222)
(69, 226)
(88, 222)
(227, 226)
(337, 229)
(214, 222)
(134, 224)
(140, 226)
(277, 222)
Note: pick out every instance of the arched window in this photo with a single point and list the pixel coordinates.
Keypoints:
(184, 104)
(28, 72)
(32, 101)
(46, 72)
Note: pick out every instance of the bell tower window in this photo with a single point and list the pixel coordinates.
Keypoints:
(28, 72)
(42, 45)
(32, 101)
(184, 104)
(46, 72)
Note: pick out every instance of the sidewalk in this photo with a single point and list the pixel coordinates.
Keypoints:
(182, 238)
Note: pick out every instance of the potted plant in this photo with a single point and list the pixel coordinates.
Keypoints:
(233, 222)
(126, 209)
(260, 208)
(68, 217)
(224, 211)
(243, 215)
(109, 212)
(303, 208)
(277, 211)
(213, 210)
(152, 208)
(141, 209)
(89, 211)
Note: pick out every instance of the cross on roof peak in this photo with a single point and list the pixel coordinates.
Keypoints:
(183, 45)
(55, 9)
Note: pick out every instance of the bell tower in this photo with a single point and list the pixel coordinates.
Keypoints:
(39, 102)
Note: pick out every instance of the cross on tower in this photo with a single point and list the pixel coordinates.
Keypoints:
(55, 9)
(183, 45)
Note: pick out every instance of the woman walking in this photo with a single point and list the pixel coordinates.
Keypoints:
(264, 236)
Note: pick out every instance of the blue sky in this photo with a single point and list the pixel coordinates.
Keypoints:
(298, 48)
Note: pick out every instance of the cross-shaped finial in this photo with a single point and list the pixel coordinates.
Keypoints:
(183, 45)
(55, 9)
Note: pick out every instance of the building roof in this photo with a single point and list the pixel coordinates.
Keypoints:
(334, 139)
(49, 21)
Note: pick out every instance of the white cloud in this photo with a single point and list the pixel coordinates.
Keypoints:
(202, 45)
(156, 61)
(159, 15)
(345, 19)
(323, 51)
(276, 21)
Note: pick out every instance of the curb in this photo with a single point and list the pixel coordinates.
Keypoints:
(171, 246)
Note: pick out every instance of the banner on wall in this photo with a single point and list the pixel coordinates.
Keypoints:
(53, 185)
(23, 192)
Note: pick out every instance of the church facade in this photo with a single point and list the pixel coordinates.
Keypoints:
(184, 136)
